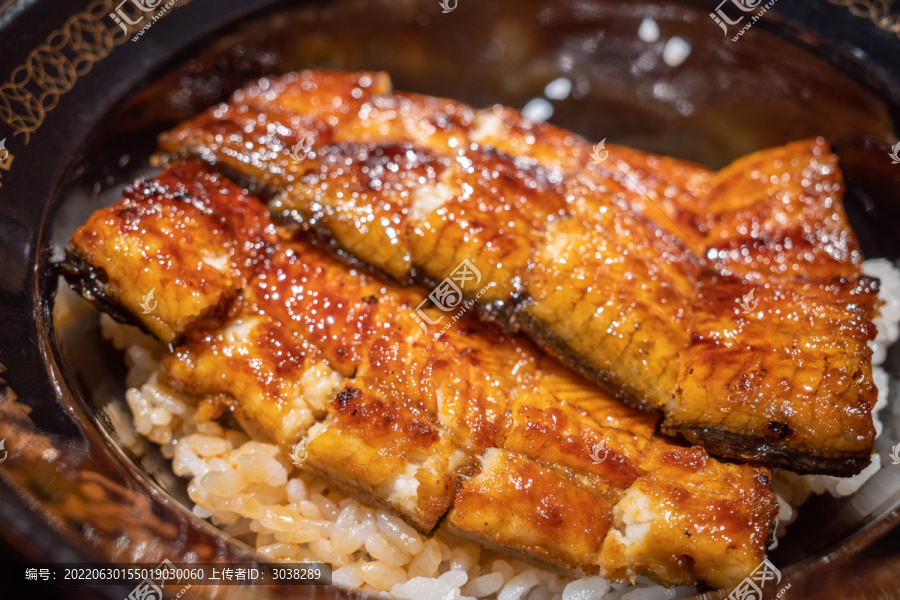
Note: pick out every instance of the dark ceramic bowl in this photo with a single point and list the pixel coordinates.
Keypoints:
(81, 104)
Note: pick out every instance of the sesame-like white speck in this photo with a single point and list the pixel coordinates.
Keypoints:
(558, 89)
(649, 30)
(676, 51)
(537, 110)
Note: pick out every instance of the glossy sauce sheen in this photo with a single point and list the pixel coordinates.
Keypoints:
(605, 258)
(192, 253)
(313, 350)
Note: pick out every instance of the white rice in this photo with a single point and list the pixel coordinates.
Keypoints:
(252, 491)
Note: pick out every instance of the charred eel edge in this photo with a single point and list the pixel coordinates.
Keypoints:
(755, 449)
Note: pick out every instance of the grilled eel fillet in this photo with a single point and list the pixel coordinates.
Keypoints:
(631, 268)
(474, 429)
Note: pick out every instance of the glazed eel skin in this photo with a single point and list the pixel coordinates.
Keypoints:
(731, 303)
(474, 431)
